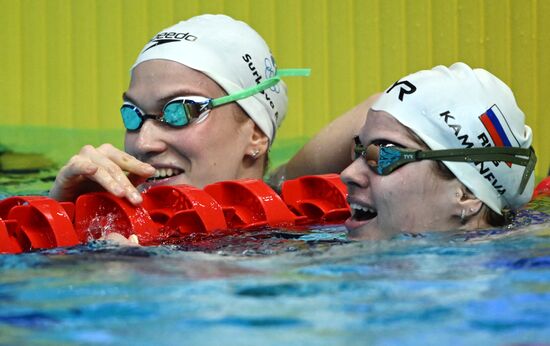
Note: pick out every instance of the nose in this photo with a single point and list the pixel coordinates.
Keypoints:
(148, 140)
(355, 175)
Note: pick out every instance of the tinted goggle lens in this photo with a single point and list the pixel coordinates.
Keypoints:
(382, 159)
(371, 155)
(176, 113)
(131, 117)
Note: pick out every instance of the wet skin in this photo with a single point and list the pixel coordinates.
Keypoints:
(411, 199)
(199, 154)
(217, 148)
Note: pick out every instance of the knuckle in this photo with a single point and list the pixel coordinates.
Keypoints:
(87, 149)
(75, 161)
(106, 147)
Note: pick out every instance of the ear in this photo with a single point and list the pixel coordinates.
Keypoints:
(468, 208)
(258, 145)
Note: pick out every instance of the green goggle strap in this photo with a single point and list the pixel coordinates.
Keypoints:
(268, 83)
(396, 157)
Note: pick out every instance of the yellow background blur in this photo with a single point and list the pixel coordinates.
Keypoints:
(64, 64)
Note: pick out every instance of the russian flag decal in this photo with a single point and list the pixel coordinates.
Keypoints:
(498, 128)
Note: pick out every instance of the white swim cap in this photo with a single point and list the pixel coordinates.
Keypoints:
(232, 54)
(461, 107)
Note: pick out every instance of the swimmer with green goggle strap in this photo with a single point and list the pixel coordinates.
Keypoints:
(178, 83)
(184, 110)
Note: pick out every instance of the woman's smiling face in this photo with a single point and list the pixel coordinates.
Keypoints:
(413, 198)
(199, 154)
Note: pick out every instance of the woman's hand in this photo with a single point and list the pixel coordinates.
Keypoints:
(102, 168)
(119, 239)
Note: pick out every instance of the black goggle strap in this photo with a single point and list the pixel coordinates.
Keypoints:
(505, 154)
(268, 83)
(390, 158)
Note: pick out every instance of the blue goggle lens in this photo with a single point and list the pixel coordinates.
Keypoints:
(131, 117)
(177, 113)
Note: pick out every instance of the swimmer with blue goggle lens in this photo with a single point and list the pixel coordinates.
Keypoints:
(185, 110)
(384, 158)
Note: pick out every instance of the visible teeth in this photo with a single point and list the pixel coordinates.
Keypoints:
(165, 173)
(362, 213)
(355, 206)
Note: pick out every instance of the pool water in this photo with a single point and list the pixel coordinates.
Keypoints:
(275, 287)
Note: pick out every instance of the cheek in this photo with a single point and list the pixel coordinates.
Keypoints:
(403, 189)
(129, 142)
(185, 143)
(396, 186)
(419, 190)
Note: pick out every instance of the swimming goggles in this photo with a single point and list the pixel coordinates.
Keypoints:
(384, 159)
(184, 110)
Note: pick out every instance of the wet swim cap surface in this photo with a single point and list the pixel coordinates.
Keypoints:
(461, 107)
(232, 54)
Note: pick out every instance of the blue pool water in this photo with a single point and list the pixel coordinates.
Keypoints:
(489, 287)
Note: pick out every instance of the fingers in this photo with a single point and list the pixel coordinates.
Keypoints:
(112, 167)
(105, 167)
(126, 161)
(71, 181)
(133, 239)
(110, 175)
(119, 239)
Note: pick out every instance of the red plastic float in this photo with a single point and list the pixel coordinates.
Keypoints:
(8, 203)
(543, 188)
(44, 224)
(99, 213)
(40, 222)
(183, 208)
(169, 213)
(251, 203)
(320, 198)
(8, 237)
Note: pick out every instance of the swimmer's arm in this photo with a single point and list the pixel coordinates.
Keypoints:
(330, 150)
(104, 168)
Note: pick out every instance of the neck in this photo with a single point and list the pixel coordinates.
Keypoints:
(252, 168)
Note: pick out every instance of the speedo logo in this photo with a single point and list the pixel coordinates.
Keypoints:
(169, 37)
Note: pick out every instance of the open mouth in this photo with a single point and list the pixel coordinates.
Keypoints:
(362, 213)
(164, 173)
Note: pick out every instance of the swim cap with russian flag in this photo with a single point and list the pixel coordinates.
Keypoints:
(461, 107)
(232, 54)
